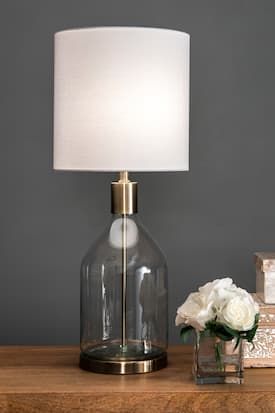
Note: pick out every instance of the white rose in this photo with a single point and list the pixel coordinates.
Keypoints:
(220, 299)
(243, 293)
(195, 311)
(219, 291)
(216, 285)
(239, 312)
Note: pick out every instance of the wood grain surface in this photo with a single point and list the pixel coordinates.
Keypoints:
(47, 379)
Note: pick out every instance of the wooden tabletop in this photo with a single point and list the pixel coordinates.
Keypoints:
(47, 379)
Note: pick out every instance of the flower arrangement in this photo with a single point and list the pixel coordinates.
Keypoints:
(222, 309)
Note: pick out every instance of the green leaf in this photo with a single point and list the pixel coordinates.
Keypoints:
(218, 355)
(221, 332)
(223, 336)
(237, 343)
(251, 334)
(185, 333)
(232, 332)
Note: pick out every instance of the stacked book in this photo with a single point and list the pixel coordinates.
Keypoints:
(262, 352)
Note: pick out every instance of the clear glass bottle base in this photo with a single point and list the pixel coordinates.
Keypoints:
(116, 352)
(123, 301)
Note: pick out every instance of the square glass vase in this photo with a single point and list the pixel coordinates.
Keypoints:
(216, 360)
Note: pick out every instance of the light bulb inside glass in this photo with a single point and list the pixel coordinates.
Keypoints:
(116, 233)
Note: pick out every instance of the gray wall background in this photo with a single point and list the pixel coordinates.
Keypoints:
(208, 221)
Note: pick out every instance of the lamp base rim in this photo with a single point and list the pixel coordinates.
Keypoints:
(122, 367)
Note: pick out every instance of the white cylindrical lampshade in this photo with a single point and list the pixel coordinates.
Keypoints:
(121, 99)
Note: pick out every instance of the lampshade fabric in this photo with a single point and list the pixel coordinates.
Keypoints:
(121, 99)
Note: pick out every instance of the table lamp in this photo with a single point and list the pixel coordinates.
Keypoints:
(121, 104)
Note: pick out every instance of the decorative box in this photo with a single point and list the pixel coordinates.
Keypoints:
(265, 276)
(263, 354)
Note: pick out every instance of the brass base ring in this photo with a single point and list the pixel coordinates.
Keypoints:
(122, 367)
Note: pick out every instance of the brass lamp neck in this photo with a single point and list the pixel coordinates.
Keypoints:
(124, 195)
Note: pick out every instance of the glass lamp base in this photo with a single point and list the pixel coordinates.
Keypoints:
(114, 359)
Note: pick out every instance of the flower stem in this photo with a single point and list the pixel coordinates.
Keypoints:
(218, 355)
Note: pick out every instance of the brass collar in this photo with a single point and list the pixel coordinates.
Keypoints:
(124, 196)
